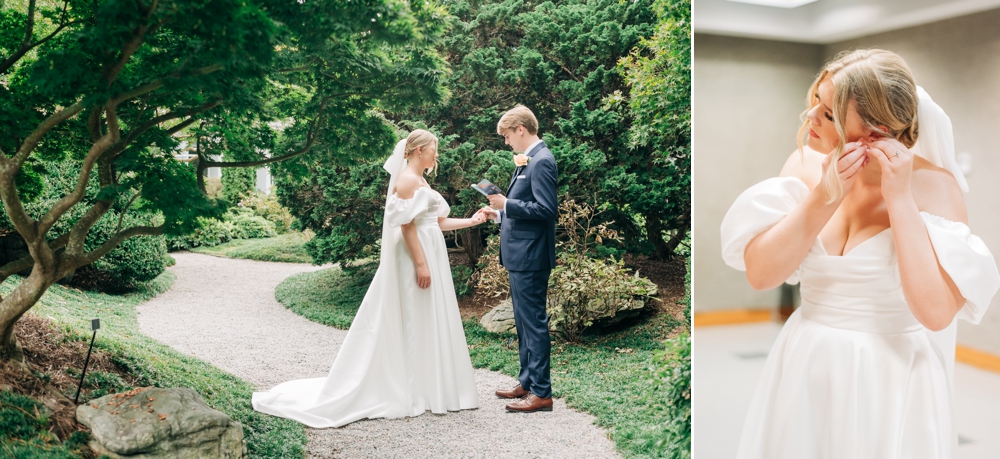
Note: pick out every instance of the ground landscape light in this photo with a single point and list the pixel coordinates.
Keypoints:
(776, 3)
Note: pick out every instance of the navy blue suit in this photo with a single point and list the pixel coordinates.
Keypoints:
(528, 252)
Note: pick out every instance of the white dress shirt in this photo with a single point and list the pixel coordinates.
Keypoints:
(526, 150)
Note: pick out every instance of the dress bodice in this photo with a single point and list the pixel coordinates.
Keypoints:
(423, 208)
(861, 289)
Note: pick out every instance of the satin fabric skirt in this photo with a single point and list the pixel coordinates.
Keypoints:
(405, 352)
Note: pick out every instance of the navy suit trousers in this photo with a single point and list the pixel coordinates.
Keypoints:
(527, 290)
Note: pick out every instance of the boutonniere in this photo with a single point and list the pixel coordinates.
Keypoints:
(521, 160)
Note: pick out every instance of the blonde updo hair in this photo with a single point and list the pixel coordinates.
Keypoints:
(883, 89)
(419, 138)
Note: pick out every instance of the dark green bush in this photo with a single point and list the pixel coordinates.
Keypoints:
(669, 399)
(136, 260)
(237, 223)
(461, 275)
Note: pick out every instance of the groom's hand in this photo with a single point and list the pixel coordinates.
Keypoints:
(497, 201)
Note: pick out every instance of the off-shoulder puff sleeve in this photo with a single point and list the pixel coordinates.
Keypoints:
(967, 261)
(756, 210)
(399, 212)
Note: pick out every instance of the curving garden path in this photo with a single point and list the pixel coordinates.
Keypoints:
(223, 311)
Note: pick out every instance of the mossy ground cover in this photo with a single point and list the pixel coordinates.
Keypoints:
(286, 248)
(608, 376)
(151, 363)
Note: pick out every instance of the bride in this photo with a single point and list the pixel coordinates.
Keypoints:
(872, 222)
(406, 351)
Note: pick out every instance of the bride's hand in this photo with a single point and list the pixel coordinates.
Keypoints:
(897, 168)
(423, 276)
(850, 162)
(478, 218)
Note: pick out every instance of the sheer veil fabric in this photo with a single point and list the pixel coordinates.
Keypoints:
(405, 352)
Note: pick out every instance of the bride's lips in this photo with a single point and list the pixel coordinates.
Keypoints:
(813, 133)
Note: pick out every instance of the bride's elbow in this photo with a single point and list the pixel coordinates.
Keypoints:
(758, 281)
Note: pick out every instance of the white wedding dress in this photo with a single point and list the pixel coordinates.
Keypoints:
(406, 351)
(853, 374)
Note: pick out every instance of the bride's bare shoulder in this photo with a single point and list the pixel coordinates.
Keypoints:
(936, 191)
(805, 164)
(407, 183)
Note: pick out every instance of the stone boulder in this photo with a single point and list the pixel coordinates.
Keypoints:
(150, 423)
(500, 319)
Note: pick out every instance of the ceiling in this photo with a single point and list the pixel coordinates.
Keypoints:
(825, 21)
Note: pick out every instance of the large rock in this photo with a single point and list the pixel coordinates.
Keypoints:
(150, 423)
(500, 319)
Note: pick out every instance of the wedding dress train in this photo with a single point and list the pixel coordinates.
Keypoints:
(405, 352)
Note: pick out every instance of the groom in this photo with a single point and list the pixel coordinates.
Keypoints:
(527, 217)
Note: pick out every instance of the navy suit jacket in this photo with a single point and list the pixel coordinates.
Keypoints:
(528, 224)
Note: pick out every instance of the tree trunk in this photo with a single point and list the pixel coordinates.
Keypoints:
(654, 233)
(676, 240)
(472, 241)
(23, 298)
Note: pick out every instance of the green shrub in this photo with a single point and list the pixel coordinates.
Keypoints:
(136, 260)
(461, 275)
(588, 282)
(237, 223)
(250, 226)
(583, 290)
(267, 206)
(669, 399)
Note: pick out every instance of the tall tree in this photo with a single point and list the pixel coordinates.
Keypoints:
(659, 75)
(118, 85)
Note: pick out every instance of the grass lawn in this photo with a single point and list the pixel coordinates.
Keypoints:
(606, 376)
(155, 364)
(286, 248)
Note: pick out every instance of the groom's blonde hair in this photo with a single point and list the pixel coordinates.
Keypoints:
(882, 87)
(518, 116)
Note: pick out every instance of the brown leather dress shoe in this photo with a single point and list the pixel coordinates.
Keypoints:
(530, 404)
(516, 392)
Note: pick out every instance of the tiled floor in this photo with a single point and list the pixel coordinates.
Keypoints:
(728, 360)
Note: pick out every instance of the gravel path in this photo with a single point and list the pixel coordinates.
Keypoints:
(223, 311)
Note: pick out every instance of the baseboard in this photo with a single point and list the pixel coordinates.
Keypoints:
(979, 359)
(733, 317)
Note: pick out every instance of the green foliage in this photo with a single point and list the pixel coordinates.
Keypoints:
(461, 276)
(558, 58)
(329, 296)
(588, 282)
(102, 383)
(659, 76)
(288, 248)
(155, 364)
(669, 398)
(237, 223)
(24, 431)
(136, 260)
(267, 206)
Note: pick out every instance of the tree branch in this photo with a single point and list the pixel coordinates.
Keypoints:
(32, 141)
(26, 262)
(111, 243)
(157, 84)
(70, 200)
(311, 140)
(27, 45)
(133, 134)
